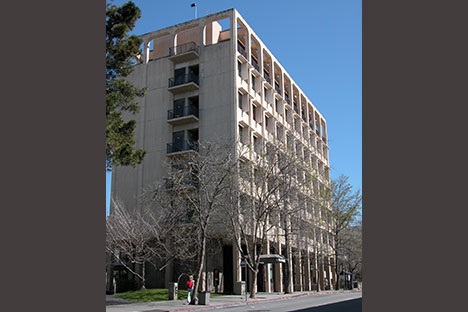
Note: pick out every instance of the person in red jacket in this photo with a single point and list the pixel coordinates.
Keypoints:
(190, 286)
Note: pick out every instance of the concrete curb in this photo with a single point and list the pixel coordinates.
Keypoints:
(241, 303)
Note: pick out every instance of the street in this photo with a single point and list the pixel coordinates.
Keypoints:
(346, 302)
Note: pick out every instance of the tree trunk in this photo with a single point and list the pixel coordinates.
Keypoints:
(143, 274)
(200, 267)
(336, 271)
(253, 287)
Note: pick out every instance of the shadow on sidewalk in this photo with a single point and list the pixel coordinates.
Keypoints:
(354, 305)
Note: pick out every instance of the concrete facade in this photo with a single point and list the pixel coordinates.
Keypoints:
(204, 82)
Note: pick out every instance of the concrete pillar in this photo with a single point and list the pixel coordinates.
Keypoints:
(298, 266)
(236, 269)
(333, 272)
(146, 51)
(327, 271)
(279, 272)
(307, 271)
(266, 268)
(173, 40)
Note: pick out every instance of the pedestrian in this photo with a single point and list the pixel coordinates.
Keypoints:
(190, 286)
(325, 282)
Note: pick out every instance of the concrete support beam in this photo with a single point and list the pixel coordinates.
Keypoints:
(307, 271)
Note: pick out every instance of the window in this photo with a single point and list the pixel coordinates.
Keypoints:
(276, 105)
(239, 95)
(265, 92)
(239, 68)
(253, 82)
(266, 121)
(254, 112)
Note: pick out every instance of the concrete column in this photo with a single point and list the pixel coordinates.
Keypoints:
(145, 52)
(173, 39)
(307, 271)
(279, 272)
(327, 271)
(298, 266)
(320, 271)
(266, 268)
(247, 46)
(236, 269)
(333, 272)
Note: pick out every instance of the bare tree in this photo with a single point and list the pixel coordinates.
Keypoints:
(257, 199)
(154, 235)
(200, 180)
(129, 238)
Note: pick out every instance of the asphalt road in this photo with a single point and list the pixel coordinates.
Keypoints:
(344, 302)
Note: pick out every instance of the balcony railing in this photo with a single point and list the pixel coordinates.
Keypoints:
(255, 64)
(182, 112)
(183, 79)
(277, 88)
(184, 48)
(241, 50)
(182, 146)
(267, 76)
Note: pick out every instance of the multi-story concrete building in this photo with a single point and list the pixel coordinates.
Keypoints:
(203, 82)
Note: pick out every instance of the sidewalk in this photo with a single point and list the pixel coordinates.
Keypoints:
(215, 302)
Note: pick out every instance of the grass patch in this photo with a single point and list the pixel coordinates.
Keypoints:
(150, 295)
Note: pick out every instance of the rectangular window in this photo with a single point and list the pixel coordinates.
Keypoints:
(253, 82)
(253, 112)
(266, 121)
(239, 95)
(276, 105)
(239, 68)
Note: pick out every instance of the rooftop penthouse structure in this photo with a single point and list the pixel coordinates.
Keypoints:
(204, 82)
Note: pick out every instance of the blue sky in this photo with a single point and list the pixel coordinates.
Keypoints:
(318, 42)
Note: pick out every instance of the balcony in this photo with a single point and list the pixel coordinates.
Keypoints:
(267, 76)
(181, 147)
(296, 109)
(184, 52)
(277, 88)
(255, 64)
(183, 83)
(286, 97)
(242, 51)
(182, 115)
